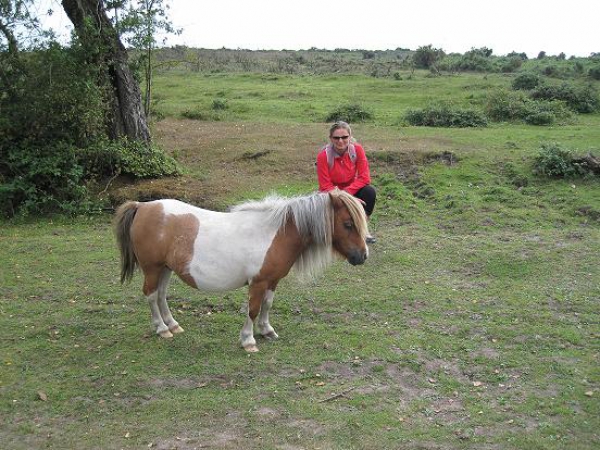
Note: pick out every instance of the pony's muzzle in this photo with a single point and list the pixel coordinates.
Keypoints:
(357, 257)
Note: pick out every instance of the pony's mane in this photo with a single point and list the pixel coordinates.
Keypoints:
(356, 210)
(313, 217)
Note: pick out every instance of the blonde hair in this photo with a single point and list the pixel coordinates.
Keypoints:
(340, 124)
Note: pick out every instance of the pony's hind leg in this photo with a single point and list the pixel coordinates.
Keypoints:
(155, 287)
(264, 327)
(163, 307)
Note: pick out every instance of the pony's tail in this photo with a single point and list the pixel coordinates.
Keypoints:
(123, 220)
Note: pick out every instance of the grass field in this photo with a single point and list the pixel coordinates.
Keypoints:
(298, 99)
(474, 323)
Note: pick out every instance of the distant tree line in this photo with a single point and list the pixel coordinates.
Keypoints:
(377, 63)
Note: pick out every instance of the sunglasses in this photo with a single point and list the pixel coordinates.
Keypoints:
(337, 138)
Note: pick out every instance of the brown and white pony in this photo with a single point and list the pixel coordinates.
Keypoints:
(256, 243)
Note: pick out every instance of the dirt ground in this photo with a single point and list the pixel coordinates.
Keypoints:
(221, 159)
(224, 160)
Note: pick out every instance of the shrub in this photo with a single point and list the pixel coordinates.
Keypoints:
(368, 54)
(349, 113)
(475, 61)
(198, 114)
(540, 118)
(582, 99)
(526, 81)
(219, 104)
(554, 161)
(53, 141)
(42, 179)
(550, 71)
(426, 56)
(39, 106)
(124, 157)
(522, 55)
(446, 116)
(546, 112)
(195, 114)
(55, 178)
(594, 72)
(509, 106)
(512, 64)
(503, 105)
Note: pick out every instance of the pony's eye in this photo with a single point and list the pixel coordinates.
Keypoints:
(348, 225)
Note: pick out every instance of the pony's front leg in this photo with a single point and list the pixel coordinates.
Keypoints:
(264, 327)
(256, 294)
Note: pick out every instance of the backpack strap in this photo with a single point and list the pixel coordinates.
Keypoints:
(331, 153)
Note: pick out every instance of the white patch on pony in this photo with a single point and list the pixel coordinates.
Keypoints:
(230, 248)
(247, 334)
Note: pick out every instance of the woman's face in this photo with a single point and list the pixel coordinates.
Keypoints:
(340, 139)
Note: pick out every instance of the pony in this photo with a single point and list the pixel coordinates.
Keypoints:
(256, 243)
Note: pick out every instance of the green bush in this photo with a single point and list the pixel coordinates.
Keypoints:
(582, 99)
(446, 116)
(526, 81)
(50, 96)
(198, 114)
(195, 114)
(426, 56)
(594, 72)
(475, 62)
(54, 178)
(42, 179)
(219, 104)
(540, 118)
(131, 158)
(512, 64)
(349, 113)
(53, 138)
(556, 162)
(503, 105)
(551, 71)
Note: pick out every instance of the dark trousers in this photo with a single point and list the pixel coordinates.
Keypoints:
(367, 195)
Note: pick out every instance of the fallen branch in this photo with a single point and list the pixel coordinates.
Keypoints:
(253, 155)
(110, 182)
(334, 396)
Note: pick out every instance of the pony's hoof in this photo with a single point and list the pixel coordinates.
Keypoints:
(176, 330)
(270, 335)
(165, 334)
(251, 348)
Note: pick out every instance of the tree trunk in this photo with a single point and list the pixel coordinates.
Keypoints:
(127, 117)
(13, 45)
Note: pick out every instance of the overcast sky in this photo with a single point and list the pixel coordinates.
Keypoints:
(528, 26)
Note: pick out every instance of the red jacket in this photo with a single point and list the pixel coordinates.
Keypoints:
(346, 174)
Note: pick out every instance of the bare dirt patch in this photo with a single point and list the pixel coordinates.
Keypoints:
(222, 159)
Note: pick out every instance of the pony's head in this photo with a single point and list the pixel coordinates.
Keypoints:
(349, 227)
